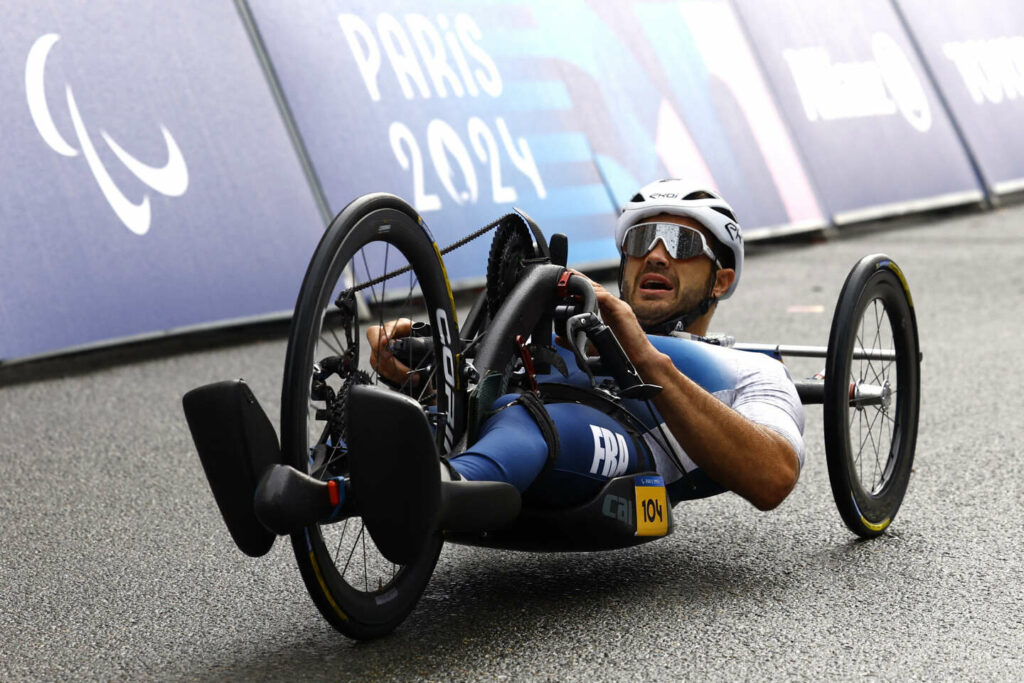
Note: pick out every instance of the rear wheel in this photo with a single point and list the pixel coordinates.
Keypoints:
(345, 291)
(872, 382)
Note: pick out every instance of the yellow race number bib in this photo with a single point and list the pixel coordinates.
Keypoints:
(651, 506)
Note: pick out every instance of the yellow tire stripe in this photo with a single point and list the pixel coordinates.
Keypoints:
(899, 273)
(875, 527)
(323, 586)
(863, 520)
(451, 300)
(448, 286)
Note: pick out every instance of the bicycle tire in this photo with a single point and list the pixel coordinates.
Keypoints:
(874, 295)
(348, 254)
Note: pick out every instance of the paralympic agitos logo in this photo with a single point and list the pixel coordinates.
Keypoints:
(171, 179)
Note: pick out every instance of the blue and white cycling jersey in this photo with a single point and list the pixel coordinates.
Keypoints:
(755, 385)
(595, 448)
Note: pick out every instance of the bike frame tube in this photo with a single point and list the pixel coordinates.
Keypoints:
(859, 353)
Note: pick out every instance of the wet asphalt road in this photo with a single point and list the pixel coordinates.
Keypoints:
(116, 565)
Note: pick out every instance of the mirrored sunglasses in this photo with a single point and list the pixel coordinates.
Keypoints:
(681, 242)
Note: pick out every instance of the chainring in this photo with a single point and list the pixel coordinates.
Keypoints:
(511, 247)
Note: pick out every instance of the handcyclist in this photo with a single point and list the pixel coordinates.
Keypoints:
(732, 420)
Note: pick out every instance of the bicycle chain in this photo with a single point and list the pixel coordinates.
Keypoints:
(337, 408)
(451, 247)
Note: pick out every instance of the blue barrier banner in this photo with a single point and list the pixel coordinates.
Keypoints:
(672, 89)
(149, 181)
(561, 108)
(424, 104)
(860, 105)
(976, 53)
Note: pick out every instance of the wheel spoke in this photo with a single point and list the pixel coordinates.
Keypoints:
(337, 550)
(380, 309)
(859, 375)
(369, 276)
(887, 425)
(341, 345)
(334, 456)
(888, 418)
(335, 350)
(383, 286)
(878, 323)
(366, 574)
(876, 443)
(860, 438)
(412, 287)
(426, 381)
(881, 378)
(879, 314)
(870, 366)
(870, 438)
(863, 439)
(355, 545)
(865, 365)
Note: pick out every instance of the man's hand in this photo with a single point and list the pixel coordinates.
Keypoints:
(381, 358)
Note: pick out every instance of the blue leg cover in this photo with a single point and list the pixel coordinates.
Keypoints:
(594, 449)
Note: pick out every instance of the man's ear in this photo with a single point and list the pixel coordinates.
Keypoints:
(723, 281)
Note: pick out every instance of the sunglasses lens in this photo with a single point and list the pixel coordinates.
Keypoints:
(688, 244)
(680, 242)
(638, 241)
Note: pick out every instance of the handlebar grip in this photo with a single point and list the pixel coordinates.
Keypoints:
(581, 287)
(615, 360)
(412, 351)
(587, 303)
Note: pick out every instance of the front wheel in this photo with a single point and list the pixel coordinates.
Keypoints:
(872, 383)
(375, 263)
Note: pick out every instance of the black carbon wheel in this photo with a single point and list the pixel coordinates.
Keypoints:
(357, 590)
(872, 383)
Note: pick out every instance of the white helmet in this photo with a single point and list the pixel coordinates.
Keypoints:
(677, 198)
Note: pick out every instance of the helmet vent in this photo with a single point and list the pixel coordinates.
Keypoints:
(724, 212)
(637, 198)
(699, 194)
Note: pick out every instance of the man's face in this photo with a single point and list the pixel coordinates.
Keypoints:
(658, 286)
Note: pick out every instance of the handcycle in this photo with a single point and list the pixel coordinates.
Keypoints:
(366, 547)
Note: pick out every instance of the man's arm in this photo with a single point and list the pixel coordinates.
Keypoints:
(749, 459)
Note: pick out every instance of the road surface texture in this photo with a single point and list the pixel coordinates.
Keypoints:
(116, 564)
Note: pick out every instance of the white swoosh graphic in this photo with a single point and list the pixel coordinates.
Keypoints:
(135, 216)
(170, 179)
(35, 90)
